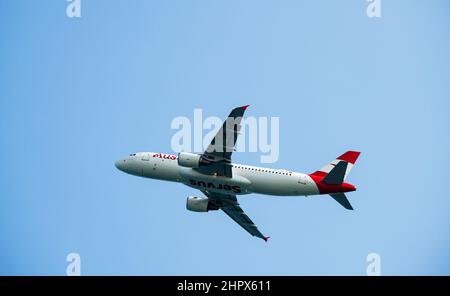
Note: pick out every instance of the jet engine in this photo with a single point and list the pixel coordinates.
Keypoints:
(199, 204)
(191, 160)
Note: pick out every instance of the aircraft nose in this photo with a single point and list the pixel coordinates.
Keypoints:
(120, 164)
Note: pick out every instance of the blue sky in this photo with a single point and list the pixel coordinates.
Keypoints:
(78, 94)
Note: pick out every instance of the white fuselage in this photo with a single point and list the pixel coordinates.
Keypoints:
(245, 179)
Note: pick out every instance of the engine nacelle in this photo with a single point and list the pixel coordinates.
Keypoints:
(191, 160)
(199, 204)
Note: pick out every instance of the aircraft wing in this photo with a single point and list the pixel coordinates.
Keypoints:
(222, 145)
(229, 204)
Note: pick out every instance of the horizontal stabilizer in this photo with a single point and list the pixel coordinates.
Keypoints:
(337, 174)
(342, 199)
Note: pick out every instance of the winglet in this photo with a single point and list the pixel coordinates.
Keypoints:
(266, 238)
(245, 107)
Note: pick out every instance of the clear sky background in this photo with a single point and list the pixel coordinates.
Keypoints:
(78, 94)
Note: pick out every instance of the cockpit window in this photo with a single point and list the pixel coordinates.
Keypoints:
(133, 154)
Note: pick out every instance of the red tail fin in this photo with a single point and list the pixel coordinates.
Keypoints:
(349, 156)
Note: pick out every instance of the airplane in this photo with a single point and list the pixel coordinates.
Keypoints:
(220, 180)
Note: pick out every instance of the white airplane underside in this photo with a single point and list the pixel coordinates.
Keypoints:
(221, 181)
